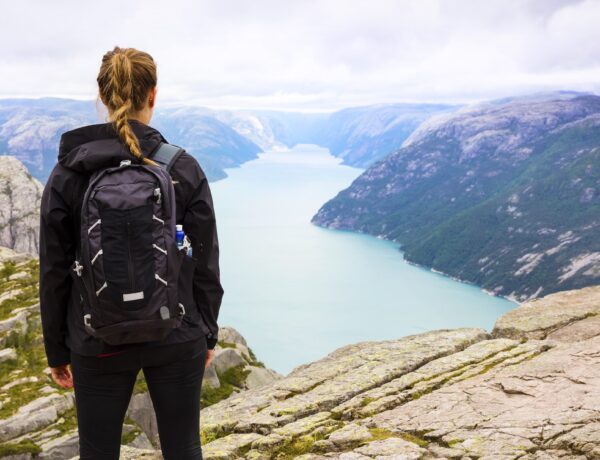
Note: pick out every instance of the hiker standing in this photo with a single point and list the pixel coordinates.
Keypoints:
(119, 293)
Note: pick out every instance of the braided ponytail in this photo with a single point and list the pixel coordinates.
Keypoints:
(124, 81)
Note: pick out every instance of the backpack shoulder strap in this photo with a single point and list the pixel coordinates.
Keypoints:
(166, 155)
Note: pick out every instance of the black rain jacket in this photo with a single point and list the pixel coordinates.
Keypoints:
(81, 152)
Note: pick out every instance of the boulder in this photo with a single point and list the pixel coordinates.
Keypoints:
(65, 446)
(260, 376)
(226, 358)
(8, 354)
(210, 378)
(141, 411)
(539, 318)
(228, 334)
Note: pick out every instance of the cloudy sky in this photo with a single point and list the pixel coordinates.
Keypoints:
(307, 54)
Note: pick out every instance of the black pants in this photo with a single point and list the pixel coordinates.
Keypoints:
(103, 388)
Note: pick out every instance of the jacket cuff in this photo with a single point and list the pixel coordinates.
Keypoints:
(59, 357)
(211, 343)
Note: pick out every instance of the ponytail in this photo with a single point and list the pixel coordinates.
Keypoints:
(124, 81)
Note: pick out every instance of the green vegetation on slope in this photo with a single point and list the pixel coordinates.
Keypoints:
(506, 197)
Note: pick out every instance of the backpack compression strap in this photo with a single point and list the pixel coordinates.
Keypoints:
(166, 155)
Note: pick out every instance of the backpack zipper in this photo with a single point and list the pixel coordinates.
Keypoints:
(130, 267)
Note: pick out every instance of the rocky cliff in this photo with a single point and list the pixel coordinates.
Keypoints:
(37, 418)
(529, 389)
(504, 195)
(20, 196)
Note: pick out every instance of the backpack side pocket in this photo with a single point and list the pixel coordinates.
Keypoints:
(186, 292)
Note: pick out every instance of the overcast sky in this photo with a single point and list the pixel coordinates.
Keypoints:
(307, 54)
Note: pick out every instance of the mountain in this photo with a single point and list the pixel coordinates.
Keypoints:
(30, 130)
(290, 128)
(213, 143)
(357, 135)
(20, 197)
(363, 135)
(505, 195)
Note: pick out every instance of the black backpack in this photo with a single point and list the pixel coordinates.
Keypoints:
(129, 268)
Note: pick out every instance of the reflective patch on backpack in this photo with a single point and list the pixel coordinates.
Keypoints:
(133, 296)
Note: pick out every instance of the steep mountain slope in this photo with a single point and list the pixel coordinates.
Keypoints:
(488, 193)
(213, 143)
(30, 129)
(20, 196)
(363, 135)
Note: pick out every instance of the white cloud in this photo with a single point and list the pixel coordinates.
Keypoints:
(307, 54)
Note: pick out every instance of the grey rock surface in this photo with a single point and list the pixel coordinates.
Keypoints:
(20, 197)
(529, 391)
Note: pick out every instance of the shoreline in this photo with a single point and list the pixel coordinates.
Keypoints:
(510, 298)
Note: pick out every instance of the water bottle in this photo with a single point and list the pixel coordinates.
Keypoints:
(183, 242)
(179, 236)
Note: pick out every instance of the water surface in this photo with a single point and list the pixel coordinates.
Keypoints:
(297, 291)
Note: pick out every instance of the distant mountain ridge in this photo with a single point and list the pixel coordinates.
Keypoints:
(30, 130)
(363, 135)
(505, 195)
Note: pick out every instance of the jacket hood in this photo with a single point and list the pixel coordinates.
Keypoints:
(92, 147)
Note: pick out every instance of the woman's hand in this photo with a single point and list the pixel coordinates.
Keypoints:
(209, 357)
(62, 376)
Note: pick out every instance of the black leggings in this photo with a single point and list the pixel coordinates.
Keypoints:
(103, 388)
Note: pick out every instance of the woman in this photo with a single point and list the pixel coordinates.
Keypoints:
(103, 375)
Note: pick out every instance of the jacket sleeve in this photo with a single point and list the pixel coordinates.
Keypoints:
(57, 252)
(200, 225)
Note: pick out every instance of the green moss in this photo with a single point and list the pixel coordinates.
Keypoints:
(227, 345)
(336, 415)
(414, 439)
(418, 393)
(207, 436)
(297, 446)
(31, 357)
(140, 384)
(253, 360)
(381, 433)
(69, 421)
(27, 298)
(454, 442)
(235, 376)
(19, 396)
(366, 401)
(232, 379)
(212, 396)
(212, 432)
(23, 447)
(8, 269)
(127, 438)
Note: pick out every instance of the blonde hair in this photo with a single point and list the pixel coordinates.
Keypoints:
(125, 79)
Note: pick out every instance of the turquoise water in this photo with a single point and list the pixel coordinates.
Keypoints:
(297, 291)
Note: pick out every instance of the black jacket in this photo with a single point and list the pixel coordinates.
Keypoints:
(82, 151)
